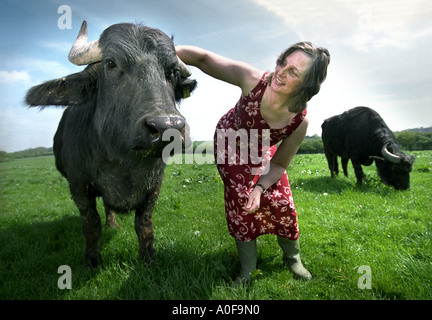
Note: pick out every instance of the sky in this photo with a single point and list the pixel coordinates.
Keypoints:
(380, 54)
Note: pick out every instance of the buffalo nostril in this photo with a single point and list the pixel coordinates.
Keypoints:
(154, 133)
(151, 132)
(153, 128)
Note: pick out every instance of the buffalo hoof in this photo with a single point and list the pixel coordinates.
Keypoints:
(92, 259)
(148, 256)
(112, 223)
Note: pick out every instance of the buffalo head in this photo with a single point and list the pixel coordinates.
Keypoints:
(394, 168)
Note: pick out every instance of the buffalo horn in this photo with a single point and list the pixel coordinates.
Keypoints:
(184, 69)
(390, 156)
(82, 52)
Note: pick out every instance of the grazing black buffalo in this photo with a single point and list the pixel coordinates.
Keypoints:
(110, 139)
(360, 134)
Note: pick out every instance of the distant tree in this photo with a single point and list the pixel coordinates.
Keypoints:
(412, 140)
(311, 145)
(4, 156)
(29, 153)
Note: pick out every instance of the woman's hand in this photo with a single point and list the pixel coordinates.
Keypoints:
(254, 200)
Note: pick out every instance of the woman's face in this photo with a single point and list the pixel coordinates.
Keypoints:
(289, 75)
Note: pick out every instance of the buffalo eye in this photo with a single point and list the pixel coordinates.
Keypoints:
(110, 64)
(171, 75)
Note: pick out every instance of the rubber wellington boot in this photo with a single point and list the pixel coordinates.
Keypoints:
(291, 257)
(247, 253)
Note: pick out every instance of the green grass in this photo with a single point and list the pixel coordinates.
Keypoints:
(342, 227)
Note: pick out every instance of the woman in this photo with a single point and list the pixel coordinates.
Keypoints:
(271, 110)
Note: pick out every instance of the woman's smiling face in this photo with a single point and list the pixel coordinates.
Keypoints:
(289, 74)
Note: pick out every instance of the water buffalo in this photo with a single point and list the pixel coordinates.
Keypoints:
(360, 134)
(110, 138)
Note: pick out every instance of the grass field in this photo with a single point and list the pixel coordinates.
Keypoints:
(342, 227)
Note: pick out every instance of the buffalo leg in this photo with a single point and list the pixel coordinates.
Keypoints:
(335, 165)
(144, 224)
(91, 223)
(345, 166)
(92, 232)
(144, 231)
(111, 221)
(358, 171)
(332, 163)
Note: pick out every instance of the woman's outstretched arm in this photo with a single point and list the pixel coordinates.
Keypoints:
(234, 72)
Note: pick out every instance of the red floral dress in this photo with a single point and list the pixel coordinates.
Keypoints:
(244, 144)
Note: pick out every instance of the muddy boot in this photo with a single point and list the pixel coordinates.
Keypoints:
(247, 253)
(291, 257)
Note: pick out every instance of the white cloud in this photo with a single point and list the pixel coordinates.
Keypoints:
(13, 76)
(34, 69)
(50, 68)
(207, 104)
(361, 24)
(22, 128)
(61, 46)
(391, 24)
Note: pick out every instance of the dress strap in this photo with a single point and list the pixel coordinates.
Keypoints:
(259, 88)
(297, 120)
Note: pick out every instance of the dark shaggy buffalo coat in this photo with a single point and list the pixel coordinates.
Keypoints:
(360, 134)
(109, 141)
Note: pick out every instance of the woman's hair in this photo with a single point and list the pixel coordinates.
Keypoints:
(314, 76)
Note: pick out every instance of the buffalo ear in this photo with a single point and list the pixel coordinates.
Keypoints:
(184, 88)
(74, 89)
(376, 158)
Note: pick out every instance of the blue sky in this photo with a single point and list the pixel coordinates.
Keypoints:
(380, 54)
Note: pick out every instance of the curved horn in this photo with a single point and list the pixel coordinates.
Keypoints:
(390, 156)
(82, 52)
(184, 69)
